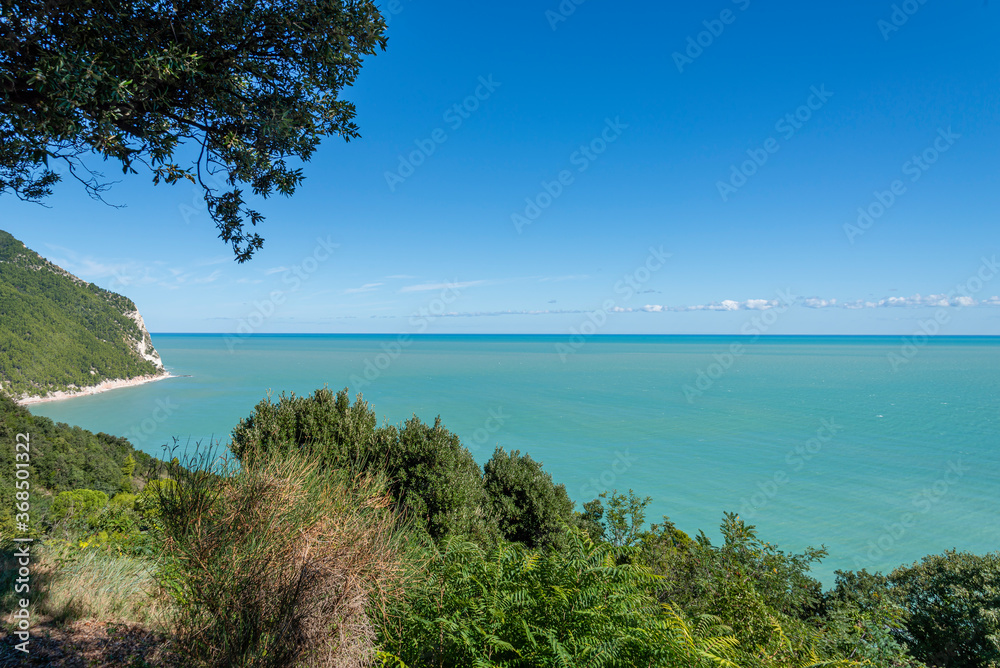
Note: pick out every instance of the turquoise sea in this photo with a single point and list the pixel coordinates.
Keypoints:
(882, 452)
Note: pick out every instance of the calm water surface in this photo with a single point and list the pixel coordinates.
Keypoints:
(816, 440)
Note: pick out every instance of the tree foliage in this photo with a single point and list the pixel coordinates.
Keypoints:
(949, 605)
(528, 506)
(323, 423)
(246, 87)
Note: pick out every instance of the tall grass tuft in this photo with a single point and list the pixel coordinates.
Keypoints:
(92, 585)
(280, 563)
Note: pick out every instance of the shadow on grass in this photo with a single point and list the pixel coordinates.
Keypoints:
(94, 610)
(89, 644)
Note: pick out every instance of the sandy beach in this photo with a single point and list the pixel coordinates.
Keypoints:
(105, 386)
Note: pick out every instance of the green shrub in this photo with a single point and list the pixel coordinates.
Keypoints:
(123, 500)
(436, 480)
(79, 504)
(952, 602)
(945, 609)
(147, 503)
(529, 508)
(323, 424)
(862, 618)
(754, 587)
(128, 470)
(620, 523)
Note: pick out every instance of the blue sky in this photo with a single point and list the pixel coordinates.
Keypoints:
(681, 170)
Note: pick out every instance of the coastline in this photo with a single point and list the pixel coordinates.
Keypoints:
(104, 386)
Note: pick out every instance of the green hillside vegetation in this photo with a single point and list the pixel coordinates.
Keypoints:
(67, 457)
(327, 539)
(64, 459)
(57, 331)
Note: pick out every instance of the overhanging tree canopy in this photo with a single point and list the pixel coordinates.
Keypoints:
(249, 84)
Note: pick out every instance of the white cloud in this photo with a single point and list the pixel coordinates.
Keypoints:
(729, 305)
(135, 273)
(571, 277)
(211, 278)
(426, 287)
(367, 287)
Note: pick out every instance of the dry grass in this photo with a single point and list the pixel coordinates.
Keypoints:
(280, 564)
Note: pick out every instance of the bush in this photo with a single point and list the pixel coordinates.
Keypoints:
(752, 586)
(862, 618)
(279, 564)
(953, 605)
(147, 502)
(123, 500)
(437, 481)
(432, 476)
(77, 504)
(620, 523)
(529, 508)
(323, 424)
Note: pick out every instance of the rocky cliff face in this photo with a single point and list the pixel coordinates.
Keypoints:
(62, 335)
(144, 344)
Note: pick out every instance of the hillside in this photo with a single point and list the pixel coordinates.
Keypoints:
(58, 332)
(65, 457)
